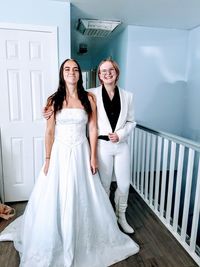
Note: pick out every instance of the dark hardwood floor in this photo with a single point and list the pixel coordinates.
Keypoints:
(9, 257)
(158, 248)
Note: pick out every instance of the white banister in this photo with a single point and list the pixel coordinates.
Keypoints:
(196, 215)
(178, 187)
(134, 137)
(166, 174)
(138, 162)
(142, 162)
(171, 181)
(152, 168)
(187, 194)
(159, 146)
(147, 166)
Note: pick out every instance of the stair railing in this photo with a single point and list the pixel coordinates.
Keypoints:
(166, 174)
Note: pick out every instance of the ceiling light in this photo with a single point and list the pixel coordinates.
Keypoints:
(96, 28)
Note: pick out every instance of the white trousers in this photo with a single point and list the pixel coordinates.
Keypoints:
(114, 159)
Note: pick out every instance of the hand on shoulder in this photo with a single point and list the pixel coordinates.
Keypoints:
(47, 112)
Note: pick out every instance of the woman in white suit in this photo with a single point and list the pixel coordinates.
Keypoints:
(115, 123)
(115, 120)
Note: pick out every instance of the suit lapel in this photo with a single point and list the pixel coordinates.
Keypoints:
(102, 110)
(122, 111)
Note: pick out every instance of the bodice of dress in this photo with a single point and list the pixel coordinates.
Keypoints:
(71, 126)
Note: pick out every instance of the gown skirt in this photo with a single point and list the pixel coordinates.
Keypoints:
(69, 220)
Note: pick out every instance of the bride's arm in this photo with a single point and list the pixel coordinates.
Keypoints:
(49, 139)
(92, 128)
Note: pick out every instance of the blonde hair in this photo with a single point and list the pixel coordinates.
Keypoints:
(115, 66)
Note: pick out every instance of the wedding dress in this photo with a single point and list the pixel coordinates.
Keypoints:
(69, 221)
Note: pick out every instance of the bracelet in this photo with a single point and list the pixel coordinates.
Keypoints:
(47, 158)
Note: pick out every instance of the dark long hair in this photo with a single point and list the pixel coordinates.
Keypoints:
(59, 96)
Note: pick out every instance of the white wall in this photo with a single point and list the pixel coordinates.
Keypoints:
(156, 72)
(192, 118)
(43, 13)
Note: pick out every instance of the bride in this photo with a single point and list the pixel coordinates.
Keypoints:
(69, 221)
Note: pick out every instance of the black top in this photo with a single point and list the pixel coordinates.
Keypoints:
(112, 107)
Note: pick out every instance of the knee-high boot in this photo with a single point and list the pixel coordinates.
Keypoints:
(121, 205)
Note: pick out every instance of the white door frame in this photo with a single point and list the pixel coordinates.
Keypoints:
(2, 198)
(27, 27)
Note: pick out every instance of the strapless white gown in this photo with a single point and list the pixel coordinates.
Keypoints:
(69, 221)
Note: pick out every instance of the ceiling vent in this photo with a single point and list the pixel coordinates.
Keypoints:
(96, 28)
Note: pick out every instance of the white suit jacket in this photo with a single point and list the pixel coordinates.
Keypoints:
(126, 121)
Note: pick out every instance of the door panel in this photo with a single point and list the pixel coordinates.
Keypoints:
(28, 67)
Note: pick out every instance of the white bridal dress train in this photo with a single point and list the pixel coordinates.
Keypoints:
(69, 221)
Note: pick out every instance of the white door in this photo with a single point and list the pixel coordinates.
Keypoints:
(28, 74)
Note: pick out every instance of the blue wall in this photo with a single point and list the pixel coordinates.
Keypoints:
(42, 13)
(116, 48)
(161, 66)
(192, 120)
(156, 72)
(153, 63)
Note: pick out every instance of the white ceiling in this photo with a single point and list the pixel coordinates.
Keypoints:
(178, 14)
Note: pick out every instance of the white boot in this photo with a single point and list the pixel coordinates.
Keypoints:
(121, 205)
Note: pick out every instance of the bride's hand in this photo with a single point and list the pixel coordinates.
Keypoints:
(46, 166)
(93, 165)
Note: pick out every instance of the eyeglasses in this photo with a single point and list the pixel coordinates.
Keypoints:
(104, 71)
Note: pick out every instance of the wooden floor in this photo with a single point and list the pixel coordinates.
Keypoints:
(158, 248)
(8, 255)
